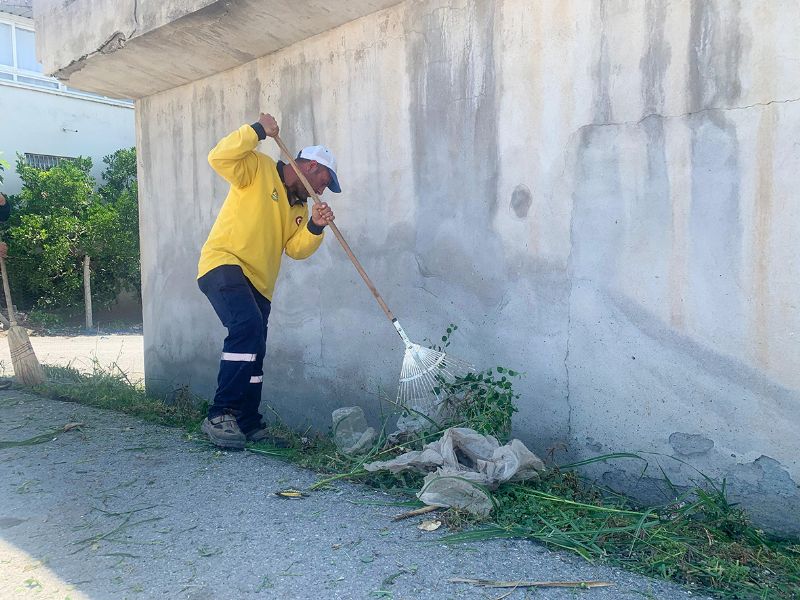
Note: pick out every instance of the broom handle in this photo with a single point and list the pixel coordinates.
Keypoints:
(341, 239)
(11, 318)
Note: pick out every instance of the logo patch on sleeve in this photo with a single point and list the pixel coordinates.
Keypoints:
(275, 194)
(298, 220)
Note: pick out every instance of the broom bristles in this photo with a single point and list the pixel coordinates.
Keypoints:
(26, 366)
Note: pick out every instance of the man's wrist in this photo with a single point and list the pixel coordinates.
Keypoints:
(314, 228)
(260, 131)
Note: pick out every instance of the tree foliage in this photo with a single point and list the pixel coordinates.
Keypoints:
(58, 218)
(3, 166)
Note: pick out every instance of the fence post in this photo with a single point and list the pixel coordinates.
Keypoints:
(87, 291)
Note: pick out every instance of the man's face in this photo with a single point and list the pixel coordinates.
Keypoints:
(318, 176)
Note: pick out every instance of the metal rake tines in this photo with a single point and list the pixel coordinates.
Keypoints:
(422, 375)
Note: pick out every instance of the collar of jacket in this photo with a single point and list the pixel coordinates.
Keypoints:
(293, 200)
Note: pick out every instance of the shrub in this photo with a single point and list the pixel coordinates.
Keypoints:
(58, 218)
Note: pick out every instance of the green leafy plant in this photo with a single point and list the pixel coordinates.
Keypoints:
(483, 401)
(58, 219)
(120, 219)
(45, 319)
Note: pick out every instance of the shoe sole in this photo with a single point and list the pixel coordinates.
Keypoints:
(222, 443)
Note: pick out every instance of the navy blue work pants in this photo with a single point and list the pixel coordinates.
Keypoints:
(244, 312)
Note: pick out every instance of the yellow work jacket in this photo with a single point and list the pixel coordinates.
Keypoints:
(256, 223)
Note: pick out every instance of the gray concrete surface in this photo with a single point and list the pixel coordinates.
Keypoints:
(120, 50)
(84, 351)
(601, 194)
(124, 509)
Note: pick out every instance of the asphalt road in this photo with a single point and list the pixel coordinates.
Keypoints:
(118, 508)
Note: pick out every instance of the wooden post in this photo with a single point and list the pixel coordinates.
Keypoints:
(87, 291)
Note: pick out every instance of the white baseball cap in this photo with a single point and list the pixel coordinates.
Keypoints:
(325, 157)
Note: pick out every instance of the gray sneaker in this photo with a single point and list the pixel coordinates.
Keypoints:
(223, 431)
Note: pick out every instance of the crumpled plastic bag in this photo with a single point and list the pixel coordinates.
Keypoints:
(463, 465)
(351, 433)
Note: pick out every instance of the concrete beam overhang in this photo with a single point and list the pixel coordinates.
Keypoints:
(136, 48)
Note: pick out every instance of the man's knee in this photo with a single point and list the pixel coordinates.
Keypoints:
(245, 333)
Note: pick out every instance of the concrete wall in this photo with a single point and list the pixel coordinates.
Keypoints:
(41, 122)
(599, 194)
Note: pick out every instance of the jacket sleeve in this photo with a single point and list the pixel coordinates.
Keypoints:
(234, 158)
(304, 242)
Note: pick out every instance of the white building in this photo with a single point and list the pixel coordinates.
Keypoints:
(43, 119)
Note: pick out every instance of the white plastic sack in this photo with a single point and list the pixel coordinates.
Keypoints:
(463, 464)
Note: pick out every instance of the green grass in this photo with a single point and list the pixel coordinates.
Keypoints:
(698, 539)
(111, 389)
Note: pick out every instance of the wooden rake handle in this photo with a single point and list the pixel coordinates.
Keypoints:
(336, 231)
(7, 290)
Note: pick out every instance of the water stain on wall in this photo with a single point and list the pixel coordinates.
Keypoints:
(715, 229)
(521, 200)
(300, 90)
(453, 110)
(690, 444)
(764, 200)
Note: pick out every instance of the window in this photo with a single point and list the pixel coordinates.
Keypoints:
(6, 45)
(26, 51)
(44, 161)
(18, 57)
(38, 82)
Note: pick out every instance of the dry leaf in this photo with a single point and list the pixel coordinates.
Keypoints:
(429, 525)
(71, 426)
(291, 494)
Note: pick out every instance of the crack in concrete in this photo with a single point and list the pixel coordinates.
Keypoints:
(682, 115)
(135, 18)
(570, 268)
(424, 289)
(321, 329)
(575, 132)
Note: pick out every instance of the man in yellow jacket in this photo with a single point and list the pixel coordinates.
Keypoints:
(264, 215)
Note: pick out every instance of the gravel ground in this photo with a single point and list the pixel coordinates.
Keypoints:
(81, 351)
(124, 509)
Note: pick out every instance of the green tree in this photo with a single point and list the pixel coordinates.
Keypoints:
(46, 231)
(59, 219)
(119, 175)
(118, 221)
